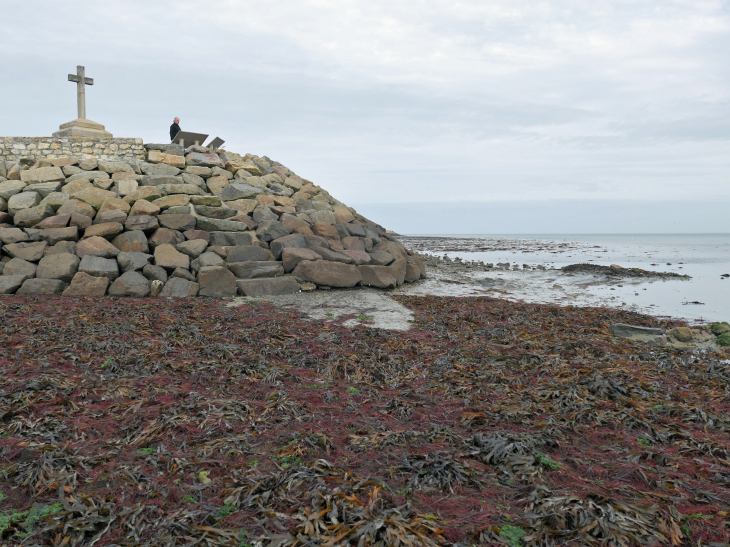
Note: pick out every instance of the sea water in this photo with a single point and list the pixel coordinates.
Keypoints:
(704, 257)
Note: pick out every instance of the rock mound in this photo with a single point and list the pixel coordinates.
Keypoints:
(185, 222)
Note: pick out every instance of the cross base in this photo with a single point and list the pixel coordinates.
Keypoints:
(82, 128)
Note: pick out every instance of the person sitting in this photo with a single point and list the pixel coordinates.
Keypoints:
(174, 128)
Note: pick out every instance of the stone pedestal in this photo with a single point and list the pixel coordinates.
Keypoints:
(82, 128)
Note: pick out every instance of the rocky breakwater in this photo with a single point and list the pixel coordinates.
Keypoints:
(184, 222)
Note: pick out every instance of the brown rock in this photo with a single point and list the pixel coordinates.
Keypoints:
(110, 216)
(84, 284)
(156, 156)
(216, 184)
(254, 269)
(80, 220)
(31, 251)
(114, 204)
(75, 206)
(166, 256)
(331, 274)
(107, 230)
(96, 246)
(358, 257)
(27, 218)
(133, 241)
(343, 214)
(141, 222)
(56, 221)
(216, 281)
(176, 200)
(149, 193)
(291, 256)
(124, 175)
(76, 186)
(94, 196)
(163, 236)
(382, 277)
(291, 222)
(177, 222)
(55, 235)
(144, 207)
(197, 234)
(61, 266)
(353, 243)
(683, 334)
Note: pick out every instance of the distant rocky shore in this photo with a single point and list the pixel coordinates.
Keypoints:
(184, 222)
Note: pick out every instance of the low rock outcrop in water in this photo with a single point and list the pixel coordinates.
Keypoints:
(185, 222)
(618, 271)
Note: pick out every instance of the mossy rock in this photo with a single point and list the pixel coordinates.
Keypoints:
(724, 340)
(720, 328)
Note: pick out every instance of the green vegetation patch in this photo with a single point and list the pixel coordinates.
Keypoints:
(724, 340)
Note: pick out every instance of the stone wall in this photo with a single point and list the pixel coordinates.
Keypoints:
(13, 149)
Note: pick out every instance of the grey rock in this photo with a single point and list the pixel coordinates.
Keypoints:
(206, 259)
(187, 189)
(291, 256)
(292, 223)
(88, 164)
(332, 256)
(61, 247)
(99, 267)
(216, 281)
(162, 236)
(179, 288)
(215, 212)
(115, 215)
(325, 217)
(330, 274)
(219, 225)
(44, 189)
(172, 149)
(10, 188)
(84, 284)
(355, 230)
(115, 167)
(270, 230)
(61, 266)
(11, 283)
(23, 200)
(239, 191)
(294, 240)
(154, 273)
(203, 172)
(69, 170)
(203, 160)
(141, 222)
(96, 246)
(270, 286)
(381, 258)
(87, 175)
(56, 235)
(622, 330)
(42, 286)
(12, 235)
(225, 239)
(184, 274)
(178, 222)
(210, 201)
(133, 261)
(264, 213)
(251, 270)
(177, 210)
(18, 266)
(30, 251)
(220, 172)
(158, 169)
(189, 178)
(246, 253)
(55, 200)
(166, 256)
(132, 242)
(130, 284)
(159, 180)
(193, 248)
(381, 277)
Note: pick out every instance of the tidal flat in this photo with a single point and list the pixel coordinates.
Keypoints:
(487, 422)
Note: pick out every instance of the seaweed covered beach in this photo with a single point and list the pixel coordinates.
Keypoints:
(177, 422)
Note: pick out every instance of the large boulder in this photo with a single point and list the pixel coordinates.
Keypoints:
(157, 156)
(44, 189)
(193, 248)
(236, 191)
(42, 286)
(291, 256)
(245, 253)
(166, 256)
(219, 225)
(9, 188)
(381, 277)
(31, 251)
(18, 266)
(163, 236)
(268, 286)
(133, 261)
(12, 235)
(11, 283)
(130, 283)
(251, 270)
(56, 235)
(56, 221)
(270, 230)
(179, 288)
(216, 281)
(96, 246)
(61, 266)
(27, 218)
(142, 207)
(42, 174)
(203, 160)
(330, 274)
(177, 222)
(114, 166)
(141, 222)
(291, 241)
(99, 267)
(108, 230)
(84, 284)
(132, 242)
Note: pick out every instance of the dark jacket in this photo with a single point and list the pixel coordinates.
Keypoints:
(174, 130)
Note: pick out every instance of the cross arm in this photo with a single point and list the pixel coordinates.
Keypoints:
(75, 78)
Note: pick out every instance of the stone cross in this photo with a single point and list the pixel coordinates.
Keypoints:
(81, 82)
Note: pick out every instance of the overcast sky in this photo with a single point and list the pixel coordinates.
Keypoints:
(401, 103)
